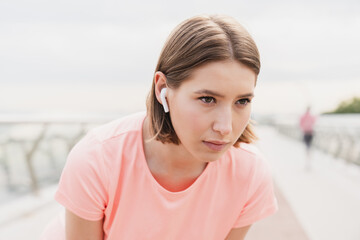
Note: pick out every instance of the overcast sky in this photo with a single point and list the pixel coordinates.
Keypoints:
(78, 41)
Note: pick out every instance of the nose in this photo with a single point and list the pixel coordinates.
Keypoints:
(223, 122)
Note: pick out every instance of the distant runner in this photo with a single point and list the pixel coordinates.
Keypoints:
(307, 122)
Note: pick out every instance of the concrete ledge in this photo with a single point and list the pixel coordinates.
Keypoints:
(26, 205)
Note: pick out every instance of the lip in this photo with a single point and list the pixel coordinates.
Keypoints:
(216, 145)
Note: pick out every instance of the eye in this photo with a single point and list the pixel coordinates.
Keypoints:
(243, 101)
(207, 100)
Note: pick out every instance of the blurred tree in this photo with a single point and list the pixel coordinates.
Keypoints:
(348, 106)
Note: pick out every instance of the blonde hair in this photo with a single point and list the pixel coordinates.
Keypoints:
(194, 42)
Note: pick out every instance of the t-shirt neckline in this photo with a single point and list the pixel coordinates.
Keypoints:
(155, 182)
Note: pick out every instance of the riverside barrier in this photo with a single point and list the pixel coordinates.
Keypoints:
(33, 149)
(338, 135)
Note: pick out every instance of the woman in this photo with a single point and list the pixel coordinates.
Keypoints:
(307, 123)
(185, 169)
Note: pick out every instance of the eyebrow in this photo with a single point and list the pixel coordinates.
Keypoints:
(212, 93)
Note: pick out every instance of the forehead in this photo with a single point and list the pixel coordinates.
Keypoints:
(222, 75)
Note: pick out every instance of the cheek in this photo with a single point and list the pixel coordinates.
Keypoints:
(197, 122)
(188, 121)
(242, 121)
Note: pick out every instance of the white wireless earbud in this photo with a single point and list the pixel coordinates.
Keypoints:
(163, 100)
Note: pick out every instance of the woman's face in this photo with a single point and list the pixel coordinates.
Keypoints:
(211, 109)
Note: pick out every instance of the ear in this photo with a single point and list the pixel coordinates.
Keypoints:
(160, 83)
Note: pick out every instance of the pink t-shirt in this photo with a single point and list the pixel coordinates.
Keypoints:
(107, 176)
(307, 122)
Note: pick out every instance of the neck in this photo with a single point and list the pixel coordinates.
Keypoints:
(169, 161)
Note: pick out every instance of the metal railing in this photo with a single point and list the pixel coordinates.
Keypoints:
(341, 142)
(33, 150)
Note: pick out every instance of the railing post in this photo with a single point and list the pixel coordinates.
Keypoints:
(29, 160)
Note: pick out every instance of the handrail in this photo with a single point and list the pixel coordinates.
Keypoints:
(340, 142)
(31, 145)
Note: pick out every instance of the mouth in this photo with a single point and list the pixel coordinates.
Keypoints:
(217, 146)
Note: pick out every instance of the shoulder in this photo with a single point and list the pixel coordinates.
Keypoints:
(250, 149)
(128, 124)
(101, 150)
(249, 162)
(247, 154)
(103, 141)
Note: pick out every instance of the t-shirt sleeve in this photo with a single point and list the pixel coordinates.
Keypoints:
(84, 181)
(260, 201)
